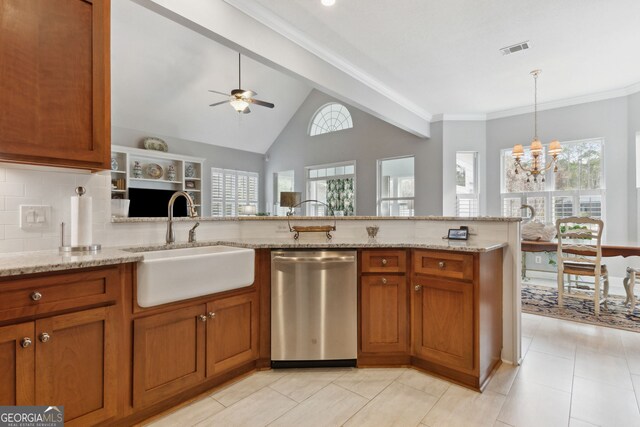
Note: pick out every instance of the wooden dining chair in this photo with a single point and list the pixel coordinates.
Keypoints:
(580, 256)
(629, 282)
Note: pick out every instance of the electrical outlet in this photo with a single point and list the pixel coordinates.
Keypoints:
(35, 217)
(538, 259)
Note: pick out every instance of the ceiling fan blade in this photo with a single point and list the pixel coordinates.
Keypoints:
(218, 103)
(261, 103)
(219, 93)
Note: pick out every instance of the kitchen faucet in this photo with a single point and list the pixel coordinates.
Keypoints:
(171, 236)
(192, 233)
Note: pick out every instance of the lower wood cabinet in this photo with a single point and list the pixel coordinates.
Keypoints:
(67, 360)
(443, 322)
(176, 350)
(383, 313)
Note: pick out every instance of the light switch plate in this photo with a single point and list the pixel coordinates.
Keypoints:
(35, 217)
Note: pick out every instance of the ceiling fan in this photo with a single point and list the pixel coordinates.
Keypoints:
(240, 98)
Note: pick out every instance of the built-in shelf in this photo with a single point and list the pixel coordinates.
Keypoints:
(126, 157)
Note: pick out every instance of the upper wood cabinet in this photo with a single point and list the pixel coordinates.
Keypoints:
(54, 83)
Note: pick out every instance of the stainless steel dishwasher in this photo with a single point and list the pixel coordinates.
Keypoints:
(313, 308)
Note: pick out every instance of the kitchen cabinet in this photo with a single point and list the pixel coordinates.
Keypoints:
(457, 314)
(178, 349)
(55, 87)
(57, 347)
(384, 323)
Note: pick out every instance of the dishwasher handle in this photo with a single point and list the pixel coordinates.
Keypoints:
(318, 259)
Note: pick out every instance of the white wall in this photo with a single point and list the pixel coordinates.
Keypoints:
(462, 136)
(634, 165)
(606, 119)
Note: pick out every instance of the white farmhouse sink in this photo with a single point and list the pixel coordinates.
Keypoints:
(171, 275)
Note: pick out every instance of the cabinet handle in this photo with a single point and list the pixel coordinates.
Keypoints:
(202, 318)
(384, 261)
(26, 342)
(442, 264)
(36, 296)
(384, 280)
(44, 337)
(417, 288)
(211, 315)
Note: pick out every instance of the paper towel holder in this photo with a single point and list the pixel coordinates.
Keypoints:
(75, 249)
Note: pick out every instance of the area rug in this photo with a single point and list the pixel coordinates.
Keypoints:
(543, 300)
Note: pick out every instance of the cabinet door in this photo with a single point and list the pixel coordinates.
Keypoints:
(384, 313)
(168, 354)
(76, 365)
(443, 322)
(17, 365)
(55, 87)
(232, 332)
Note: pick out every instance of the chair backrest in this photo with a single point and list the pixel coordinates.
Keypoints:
(579, 240)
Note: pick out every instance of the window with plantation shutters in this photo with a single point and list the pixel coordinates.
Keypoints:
(232, 191)
(576, 190)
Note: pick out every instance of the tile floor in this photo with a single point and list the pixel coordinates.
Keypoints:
(573, 375)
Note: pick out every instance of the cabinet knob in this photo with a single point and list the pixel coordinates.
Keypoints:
(26, 342)
(417, 287)
(211, 315)
(36, 296)
(442, 264)
(384, 280)
(44, 337)
(202, 318)
(384, 261)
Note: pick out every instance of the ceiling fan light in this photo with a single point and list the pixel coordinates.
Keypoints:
(328, 2)
(239, 105)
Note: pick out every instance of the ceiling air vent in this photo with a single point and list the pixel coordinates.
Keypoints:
(515, 48)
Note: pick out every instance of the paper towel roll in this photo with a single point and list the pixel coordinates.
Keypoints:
(81, 218)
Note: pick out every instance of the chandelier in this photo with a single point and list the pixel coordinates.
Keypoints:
(536, 169)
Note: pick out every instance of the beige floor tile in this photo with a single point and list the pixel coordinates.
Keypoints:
(368, 382)
(555, 337)
(423, 382)
(461, 407)
(604, 368)
(604, 405)
(501, 424)
(243, 388)
(535, 405)
(573, 422)
(529, 324)
(547, 369)
(331, 406)
(599, 339)
(191, 414)
(256, 410)
(503, 378)
(300, 384)
(635, 379)
(397, 405)
(526, 345)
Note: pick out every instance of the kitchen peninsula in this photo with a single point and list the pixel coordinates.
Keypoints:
(444, 303)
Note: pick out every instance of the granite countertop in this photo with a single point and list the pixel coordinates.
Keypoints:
(44, 261)
(322, 218)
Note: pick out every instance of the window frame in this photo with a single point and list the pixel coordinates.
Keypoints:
(380, 199)
(308, 179)
(317, 113)
(475, 196)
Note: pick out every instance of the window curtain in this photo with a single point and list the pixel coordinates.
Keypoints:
(340, 195)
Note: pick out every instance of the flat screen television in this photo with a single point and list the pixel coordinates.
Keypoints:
(146, 202)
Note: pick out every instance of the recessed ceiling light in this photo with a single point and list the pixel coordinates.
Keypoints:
(328, 2)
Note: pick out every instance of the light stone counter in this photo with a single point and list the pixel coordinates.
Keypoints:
(44, 261)
(323, 218)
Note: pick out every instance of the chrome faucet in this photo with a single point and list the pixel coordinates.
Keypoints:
(171, 236)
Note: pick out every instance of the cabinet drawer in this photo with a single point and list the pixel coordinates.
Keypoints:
(443, 264)
(384, 261)
(46, 294)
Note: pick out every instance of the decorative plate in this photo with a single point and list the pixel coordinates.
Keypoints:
(155, 144)
(114, 164)
(154, 171)
(190, 171)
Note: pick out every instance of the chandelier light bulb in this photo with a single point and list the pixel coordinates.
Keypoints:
(328, 2)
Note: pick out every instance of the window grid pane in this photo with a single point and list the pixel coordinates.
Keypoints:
(330, 118)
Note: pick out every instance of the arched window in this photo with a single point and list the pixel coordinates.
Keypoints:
(330, 118)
